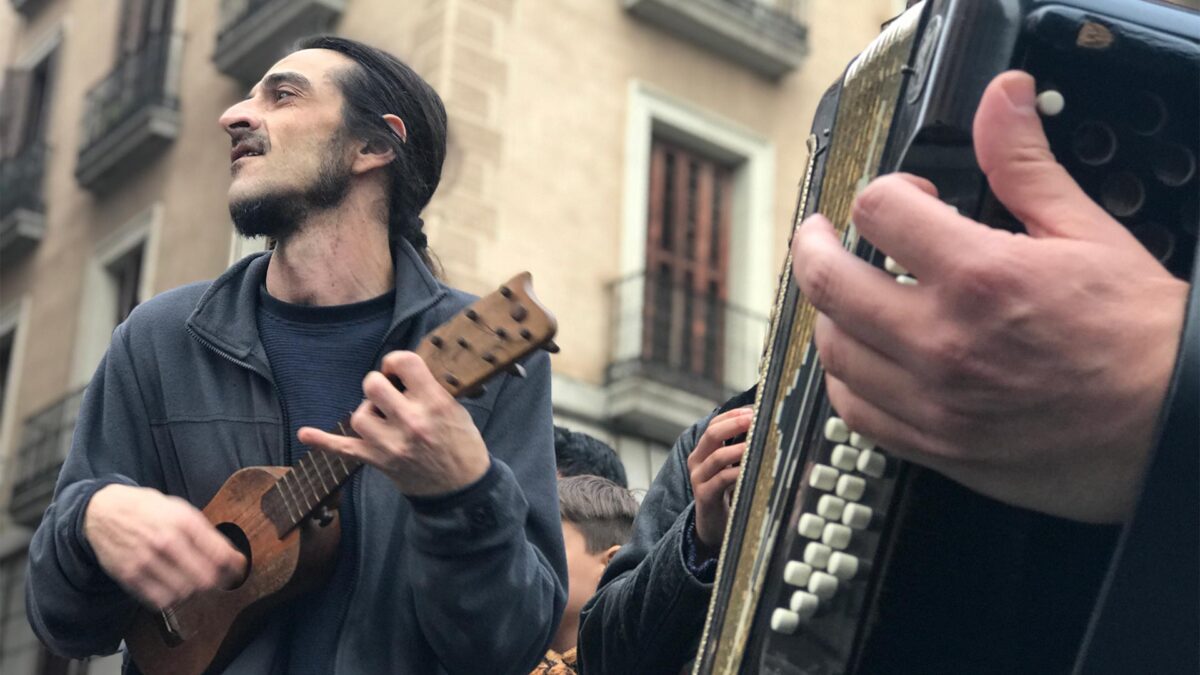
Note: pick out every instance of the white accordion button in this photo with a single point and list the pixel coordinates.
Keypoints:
(843, 566)
(817, 555)
(862, 442)
(823, 585)
(804, 604)
(797, 573)
(836, 430)
(906, 280)
(851, 488)
(872, 463)
(836, 536)
(857, 516)
(823, 477)
(784, 621)
(811, 526)
(830, 507)
(844, 457)
(1050, 102)
(890, 264)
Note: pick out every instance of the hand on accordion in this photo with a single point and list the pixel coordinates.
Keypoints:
(1030, 367)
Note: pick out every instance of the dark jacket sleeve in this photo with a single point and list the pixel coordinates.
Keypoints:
(497, 542)
(648, 614)
(73, 605)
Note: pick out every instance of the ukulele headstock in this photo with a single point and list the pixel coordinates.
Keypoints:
(488, 337)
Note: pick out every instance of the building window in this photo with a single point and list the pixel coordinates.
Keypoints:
(25, 106)
(687, 261)
(126, 273)
(143, 22)
(6, 354)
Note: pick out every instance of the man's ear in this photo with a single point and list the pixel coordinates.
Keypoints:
(607, 556)
(372, 155)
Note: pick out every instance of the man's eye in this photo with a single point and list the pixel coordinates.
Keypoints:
(280, 94)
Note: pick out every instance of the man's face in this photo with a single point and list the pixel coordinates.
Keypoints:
(290, 154)
(583, 569)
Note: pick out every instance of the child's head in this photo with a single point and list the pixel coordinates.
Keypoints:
(597, 519)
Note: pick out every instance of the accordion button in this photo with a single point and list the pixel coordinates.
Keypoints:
(857, 516)
(817, 555)
(872, 463)
(851, 488)
(797, 573)
(893, 267)
(906, 280)
(836, 430)
(836, 536)
(804, 604)
(784, 621)
(843, 565)
(831, 507)
(823, 477)
(811, 526)
(862, 442)
(1050, 102)
(823, 585)
(844, 457)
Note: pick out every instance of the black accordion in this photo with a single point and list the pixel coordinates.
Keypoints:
(839, 558)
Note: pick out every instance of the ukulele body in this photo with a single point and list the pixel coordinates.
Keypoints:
(209, 629)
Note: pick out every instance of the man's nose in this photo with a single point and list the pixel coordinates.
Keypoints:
(240, 115)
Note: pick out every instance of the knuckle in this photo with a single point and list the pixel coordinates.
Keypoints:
(830, 351)
(818, 280)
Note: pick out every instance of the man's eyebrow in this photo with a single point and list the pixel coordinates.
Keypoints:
(288, 77)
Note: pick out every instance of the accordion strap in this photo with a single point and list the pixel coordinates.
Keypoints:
(1148, 617)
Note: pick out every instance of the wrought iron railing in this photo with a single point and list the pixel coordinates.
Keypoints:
(139, 80)
(45, 440)
(683, 337)
(21, 180)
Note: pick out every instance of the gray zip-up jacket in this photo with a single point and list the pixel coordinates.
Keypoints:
(184, 397)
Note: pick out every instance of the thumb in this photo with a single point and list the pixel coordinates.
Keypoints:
(1014, 154)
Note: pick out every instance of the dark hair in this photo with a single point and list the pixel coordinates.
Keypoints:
(578, 454)
(383, 84)
(602, 510)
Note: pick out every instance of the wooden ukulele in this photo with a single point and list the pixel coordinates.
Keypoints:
(285, 521)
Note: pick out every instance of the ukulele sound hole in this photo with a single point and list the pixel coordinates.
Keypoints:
(238, 538)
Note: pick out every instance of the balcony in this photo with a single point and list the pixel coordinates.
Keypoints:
(254, 34)
(677, 353)
(22, 212)
(769, 37)
(131, 115)
(45, 441)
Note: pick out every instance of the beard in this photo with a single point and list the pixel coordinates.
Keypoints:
(283, 213)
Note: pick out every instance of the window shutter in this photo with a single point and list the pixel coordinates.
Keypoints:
(14, 110)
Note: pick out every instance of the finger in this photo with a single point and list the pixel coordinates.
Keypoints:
(893, 435)
(871, 375)
(153, 592)
(914, 227)
(375, 430)
(721, 428)
(225, 564)
(1014, 154)
(345, 446)
(412, 371)
(712, 492)
(718, 460)
(865, 301)
(380, 391)
(924, 184)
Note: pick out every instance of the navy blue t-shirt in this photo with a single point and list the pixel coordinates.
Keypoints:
(319, 357)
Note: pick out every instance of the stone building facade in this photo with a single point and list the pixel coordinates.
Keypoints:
(639, 157)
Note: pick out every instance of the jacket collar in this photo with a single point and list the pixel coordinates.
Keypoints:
(226, 315)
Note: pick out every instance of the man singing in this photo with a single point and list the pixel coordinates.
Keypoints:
(451, 553)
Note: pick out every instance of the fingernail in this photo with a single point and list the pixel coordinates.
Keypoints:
(1020, 92)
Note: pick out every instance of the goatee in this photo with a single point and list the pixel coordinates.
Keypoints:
(280, 215)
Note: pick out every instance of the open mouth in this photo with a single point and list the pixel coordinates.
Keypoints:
(242, 150)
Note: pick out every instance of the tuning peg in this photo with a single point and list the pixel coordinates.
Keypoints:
(516, 370)
(519, 313)
(551, 346)
(477, 392)
(472, 315)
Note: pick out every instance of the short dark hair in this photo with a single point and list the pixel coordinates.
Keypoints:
(602, 510)
(381, 84)
(578, 454)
